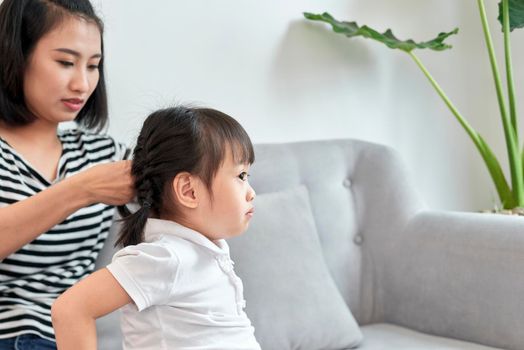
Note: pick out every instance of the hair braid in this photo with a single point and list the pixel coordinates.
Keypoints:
(147, 195)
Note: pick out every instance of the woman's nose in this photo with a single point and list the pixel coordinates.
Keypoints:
(80, 81)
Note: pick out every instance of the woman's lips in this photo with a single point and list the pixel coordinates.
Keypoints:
(250, 212)
(74, 104)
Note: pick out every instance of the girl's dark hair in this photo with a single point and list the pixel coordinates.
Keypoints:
(22, 24)
(174, 140)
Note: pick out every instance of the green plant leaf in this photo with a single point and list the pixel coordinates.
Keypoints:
(516, 14)
(351, 29)
(497, 175)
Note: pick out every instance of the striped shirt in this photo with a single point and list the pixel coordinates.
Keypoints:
(34, 276)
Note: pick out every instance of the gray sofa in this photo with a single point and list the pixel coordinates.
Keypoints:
(341, 252)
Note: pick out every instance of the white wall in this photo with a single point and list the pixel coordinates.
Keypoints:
(287, 79)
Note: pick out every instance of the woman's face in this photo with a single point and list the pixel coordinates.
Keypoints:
(62, 71)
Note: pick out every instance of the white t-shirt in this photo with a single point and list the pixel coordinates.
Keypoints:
(186, 294)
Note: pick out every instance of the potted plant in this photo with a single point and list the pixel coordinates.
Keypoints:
(511, 16)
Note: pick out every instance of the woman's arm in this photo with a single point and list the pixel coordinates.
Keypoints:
(74, 312)
(22, 222)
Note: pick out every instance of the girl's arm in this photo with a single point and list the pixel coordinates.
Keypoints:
(74, 312)
(22, 222)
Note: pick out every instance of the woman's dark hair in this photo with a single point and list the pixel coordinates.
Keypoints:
(174, 140)
(22, 24)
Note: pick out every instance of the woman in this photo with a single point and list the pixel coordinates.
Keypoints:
(57, 188)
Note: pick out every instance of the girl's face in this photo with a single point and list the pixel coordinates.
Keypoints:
(62, 71)
(229, 211)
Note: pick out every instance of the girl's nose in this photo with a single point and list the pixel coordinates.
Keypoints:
(251, 194)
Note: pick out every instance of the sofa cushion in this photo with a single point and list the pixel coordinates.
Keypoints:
(291, 298)
(382, 336)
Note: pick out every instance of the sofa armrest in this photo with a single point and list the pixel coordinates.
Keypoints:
(458, 275)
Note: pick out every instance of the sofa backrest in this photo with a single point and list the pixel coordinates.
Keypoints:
(360, 196)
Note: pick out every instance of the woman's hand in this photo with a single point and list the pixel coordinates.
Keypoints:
(109, 183)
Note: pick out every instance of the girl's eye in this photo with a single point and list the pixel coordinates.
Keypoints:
(65, 63)
(93, 67)
(243, 176)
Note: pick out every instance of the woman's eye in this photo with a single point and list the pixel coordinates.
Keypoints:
(66, 63)
(92, 67)
(243, 176)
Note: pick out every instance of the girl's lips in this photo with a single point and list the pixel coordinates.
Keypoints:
(250, 212)
(74, 104)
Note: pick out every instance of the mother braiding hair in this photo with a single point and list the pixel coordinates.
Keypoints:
(174, 140)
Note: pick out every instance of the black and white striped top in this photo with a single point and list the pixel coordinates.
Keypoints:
(33, 277)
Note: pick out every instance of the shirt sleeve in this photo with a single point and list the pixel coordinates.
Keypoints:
(147, 272)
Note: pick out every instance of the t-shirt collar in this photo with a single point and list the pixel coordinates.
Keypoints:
(155, 227)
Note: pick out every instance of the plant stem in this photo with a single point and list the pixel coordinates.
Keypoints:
(509, 67)
(514, 157)
(471, 132)
(509, 79)
(487, 155)
(511, 88)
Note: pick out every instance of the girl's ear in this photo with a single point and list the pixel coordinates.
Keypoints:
(185, 190)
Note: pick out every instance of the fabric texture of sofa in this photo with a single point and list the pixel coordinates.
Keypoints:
(342, 253)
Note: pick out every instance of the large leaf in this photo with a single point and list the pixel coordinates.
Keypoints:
(516, 14)
(351, 29)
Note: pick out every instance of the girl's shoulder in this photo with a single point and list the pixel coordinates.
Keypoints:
(88, 142)
(148, 272)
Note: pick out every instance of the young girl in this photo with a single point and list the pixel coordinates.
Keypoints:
(57, 188)
(174, 274)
